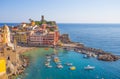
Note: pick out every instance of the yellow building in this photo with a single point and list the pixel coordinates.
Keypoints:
(2, 66)
(32, 23)
(21, 37)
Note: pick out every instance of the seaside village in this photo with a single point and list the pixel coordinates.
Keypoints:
(16, 38)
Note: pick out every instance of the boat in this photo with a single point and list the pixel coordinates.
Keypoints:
(89, 67)
(53, 55)
(79, 51)
(49, 66)
(56, 59)
(48, 56)
(86, 56)
(94, 55)
(59, 66)
(48, 59)
(47, 63)
(69, 64)
(72, 68)
(46, 48)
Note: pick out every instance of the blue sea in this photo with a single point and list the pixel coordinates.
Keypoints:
(101, 36)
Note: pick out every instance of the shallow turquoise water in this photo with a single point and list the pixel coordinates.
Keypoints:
(37, 69)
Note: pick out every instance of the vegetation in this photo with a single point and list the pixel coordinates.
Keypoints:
(38, 22)
(52, 23)
(51, 29)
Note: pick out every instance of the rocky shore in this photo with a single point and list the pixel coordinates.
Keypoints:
(91, 52)
(16, 62)
(18, 69)
(23, 62)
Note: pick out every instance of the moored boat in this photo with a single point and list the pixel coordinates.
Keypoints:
(48, 59)
(72, 68)
(49, 66)
(86, 56)
(56, 59)
(89, 67)
(59, 66)
(47, 63)
(69, 64)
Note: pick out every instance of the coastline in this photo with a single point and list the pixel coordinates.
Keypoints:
(70, 46)
(89, 51)
(17, 62)
(22, 61)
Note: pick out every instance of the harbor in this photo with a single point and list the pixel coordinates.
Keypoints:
(68, 59)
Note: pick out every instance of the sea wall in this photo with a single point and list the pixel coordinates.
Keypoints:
(81, 48)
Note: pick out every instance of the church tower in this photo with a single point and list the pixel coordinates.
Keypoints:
(5, 34)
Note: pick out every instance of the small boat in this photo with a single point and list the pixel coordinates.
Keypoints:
(94, 55)
(47, 63)
(59, 66)
(72, 68)
(86, 56)
(49, 66)
(56, 59)
(53, 55)
(79, 51)
(48, 59)
(89, 67)
(69, 64)
(48, 56)
(46, 48)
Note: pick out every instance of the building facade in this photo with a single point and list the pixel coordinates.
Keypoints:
(21, 37)
(49, 39)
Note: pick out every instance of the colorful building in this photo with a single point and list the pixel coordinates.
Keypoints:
(2, 67)
(20, 37)
(40, 39)
(44, 34)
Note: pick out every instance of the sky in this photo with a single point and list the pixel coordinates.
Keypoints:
(61, 11)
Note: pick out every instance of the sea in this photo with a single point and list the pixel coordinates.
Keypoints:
(100, 36)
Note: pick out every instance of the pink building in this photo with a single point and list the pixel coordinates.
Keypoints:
(38, 39)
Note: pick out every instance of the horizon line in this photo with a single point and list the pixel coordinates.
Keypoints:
(64, 23)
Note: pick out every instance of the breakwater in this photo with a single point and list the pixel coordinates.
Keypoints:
(81, 48)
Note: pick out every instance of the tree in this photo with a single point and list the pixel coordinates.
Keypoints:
(30, 20)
